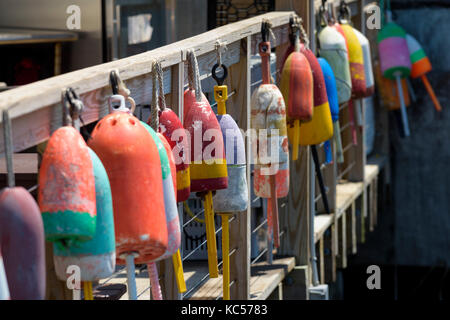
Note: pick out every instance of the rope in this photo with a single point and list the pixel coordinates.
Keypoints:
(154, 119)
(220, 48)
(159, 77)
(194, 75)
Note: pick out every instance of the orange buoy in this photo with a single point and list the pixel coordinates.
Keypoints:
(67, 189)
(131, 159)
(297, 89)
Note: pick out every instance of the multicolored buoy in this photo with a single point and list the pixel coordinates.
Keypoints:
(421, 65)
(66, 193)
(297, 89)
(96, 258)
(268, 112)
(395, 61)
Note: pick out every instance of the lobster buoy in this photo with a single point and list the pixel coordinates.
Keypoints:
(330, 84)
(235, 197)
(169, 195)
(22, 248)
(320, 128)
(333, 48)
(395, 62)
(67, 189)
(97, 257)
(356, 60)
(131, 159)
(172, 129)
(368, 71)
(297, 89)
(421, 65)
(268, 112)
(208, 165)
(22, 244)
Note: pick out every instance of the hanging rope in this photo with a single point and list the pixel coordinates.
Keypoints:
(221, 47)
(154, 118)
(194, 75)
(160, 78)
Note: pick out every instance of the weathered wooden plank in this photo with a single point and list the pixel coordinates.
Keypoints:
(26, 163)
(321, 224)
(342, 239)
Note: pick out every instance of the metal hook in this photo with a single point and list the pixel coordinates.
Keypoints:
(113, 80)
(265, 26)
(218, 79)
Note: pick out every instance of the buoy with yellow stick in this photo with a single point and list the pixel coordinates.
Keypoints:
(234, 198)
(208, 166)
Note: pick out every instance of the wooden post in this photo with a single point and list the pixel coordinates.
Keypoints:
(342, 238)
(330, 254)
(240, 234)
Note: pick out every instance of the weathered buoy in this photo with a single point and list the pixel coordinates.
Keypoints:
(97, 257)
(67, 189)
(235, 197)
(268, 112)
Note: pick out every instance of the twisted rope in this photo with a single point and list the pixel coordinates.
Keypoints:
(194, 75)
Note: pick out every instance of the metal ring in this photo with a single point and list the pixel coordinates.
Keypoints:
(218, 79)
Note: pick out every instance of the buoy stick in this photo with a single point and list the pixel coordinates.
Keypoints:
(226, 255)
(4, 290)
(211, 236)
(178, 271)
(402, 106)
(430, 90)
(328, 153)
(338, 142)
(295, 143)
(87, 286)
(154, 281)
(320, 179)
(131, 277)
(273, 206)
(359, 118)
